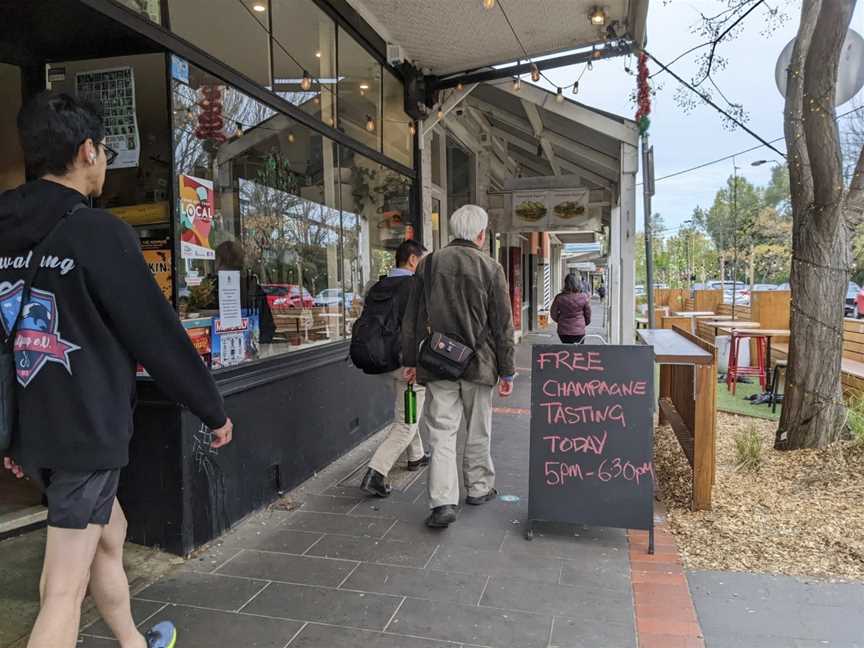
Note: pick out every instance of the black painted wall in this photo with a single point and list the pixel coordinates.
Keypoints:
(289, 422)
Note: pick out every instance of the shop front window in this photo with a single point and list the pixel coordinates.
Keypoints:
(375, 220)
(233, 31)
(359, 93)
(398, 126)
(304, 45)
(258, 232)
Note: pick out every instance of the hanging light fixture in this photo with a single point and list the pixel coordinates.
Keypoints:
(576, 88)
(440, 114)
(370, 123)
(535, 73)
(559, 96)
(412, 128)
(597, 16)
(590, 66)
(460, 87)
(517, 84)
(488, 4)
(306, 82)
(290, 137)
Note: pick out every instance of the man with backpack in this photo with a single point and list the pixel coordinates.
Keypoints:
(376, 348)
(78, 308)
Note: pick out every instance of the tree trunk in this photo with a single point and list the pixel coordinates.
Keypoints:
(813, 410)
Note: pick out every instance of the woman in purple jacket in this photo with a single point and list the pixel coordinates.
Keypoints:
(572, 310)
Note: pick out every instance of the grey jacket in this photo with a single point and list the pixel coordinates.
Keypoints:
(469, 295)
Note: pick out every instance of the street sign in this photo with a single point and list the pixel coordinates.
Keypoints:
(850, 74)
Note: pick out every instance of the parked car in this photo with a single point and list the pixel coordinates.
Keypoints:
(639, 290)
(283, 296)
(764, 287)
(332, 297)
(785, 286)
(854, 306)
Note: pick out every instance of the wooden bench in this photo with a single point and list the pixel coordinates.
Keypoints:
(852, 370)
(688, 401)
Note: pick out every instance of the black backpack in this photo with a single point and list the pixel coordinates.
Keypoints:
(375, 337)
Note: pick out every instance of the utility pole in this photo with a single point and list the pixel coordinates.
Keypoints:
(647, 192)
(734, 233)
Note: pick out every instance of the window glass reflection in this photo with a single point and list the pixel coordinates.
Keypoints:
(359, 93)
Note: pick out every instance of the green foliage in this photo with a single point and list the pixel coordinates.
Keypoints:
(748, 449)
(855, 419)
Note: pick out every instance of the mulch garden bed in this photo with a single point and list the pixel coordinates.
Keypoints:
(801, 513)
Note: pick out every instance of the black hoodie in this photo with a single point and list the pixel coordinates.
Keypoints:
(94, 311)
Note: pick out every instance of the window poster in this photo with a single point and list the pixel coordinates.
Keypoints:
(157, 254)
(196, 217)
(114, 90)
(234, 345)
(229, 299)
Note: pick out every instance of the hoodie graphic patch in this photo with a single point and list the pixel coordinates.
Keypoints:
(38, 340)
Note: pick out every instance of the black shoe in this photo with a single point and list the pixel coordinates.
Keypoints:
(414, 466)
(441, 517)
(373, 483)
(481, 499)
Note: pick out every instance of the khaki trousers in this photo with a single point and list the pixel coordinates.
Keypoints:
(446, 404)
(400, 435)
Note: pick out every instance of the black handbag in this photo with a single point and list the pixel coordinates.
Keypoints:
(8, 374)
(444, 356)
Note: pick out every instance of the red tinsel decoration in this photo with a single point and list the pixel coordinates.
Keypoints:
(211, 125)
(643, 95)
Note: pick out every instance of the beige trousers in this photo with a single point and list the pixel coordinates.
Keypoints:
(447, 402)
(400, 435)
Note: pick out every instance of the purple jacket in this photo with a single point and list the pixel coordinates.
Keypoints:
(572, 311)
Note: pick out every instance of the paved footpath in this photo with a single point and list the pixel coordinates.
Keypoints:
(345, 571)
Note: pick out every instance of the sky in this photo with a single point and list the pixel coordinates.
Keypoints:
(682, 140)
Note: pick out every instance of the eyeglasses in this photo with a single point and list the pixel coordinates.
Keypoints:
(110, 154)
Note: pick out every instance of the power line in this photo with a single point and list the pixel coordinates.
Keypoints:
(732, 155)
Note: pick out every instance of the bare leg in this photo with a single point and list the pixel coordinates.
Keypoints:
(65, 572)
(108, 584)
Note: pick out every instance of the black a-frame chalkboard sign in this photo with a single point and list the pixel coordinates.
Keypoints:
(592, 436)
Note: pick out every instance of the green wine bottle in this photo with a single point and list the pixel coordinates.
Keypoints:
(410, 405)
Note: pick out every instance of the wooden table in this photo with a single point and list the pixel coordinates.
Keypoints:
(730, 324)
(688, 401)
(694, 313)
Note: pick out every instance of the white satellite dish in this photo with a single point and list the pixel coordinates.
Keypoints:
(850, 74)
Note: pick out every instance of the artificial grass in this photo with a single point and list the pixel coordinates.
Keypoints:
(736, 404)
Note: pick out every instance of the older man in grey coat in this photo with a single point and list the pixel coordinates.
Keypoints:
(469, 301)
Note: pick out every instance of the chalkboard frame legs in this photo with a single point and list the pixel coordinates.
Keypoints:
(651, 540)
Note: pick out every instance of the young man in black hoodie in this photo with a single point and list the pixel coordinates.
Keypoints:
(94, 309)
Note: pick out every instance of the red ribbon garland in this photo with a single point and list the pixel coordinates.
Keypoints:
(643, 95)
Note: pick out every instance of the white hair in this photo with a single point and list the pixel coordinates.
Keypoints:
(468, 221)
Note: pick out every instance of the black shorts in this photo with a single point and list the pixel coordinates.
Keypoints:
(76, 499)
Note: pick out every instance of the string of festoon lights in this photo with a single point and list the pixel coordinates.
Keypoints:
(597, 16)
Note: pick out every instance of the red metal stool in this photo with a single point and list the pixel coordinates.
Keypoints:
(734, 371)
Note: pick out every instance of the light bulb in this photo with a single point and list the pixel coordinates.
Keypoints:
(576, 88)
(559, 97)
(318, 54)
(317, 100)
(412, 129)
(306, 82)
(440, 114)
(239, 129)
(517, 84)
(535, 73)
(259, 7)
(590, 66)
(488, 4)
(460, 87)
(364, 86)
(370, 124)
(597, 16)
(291, 138)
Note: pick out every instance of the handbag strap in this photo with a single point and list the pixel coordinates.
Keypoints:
(33, 271)
(427, 295)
